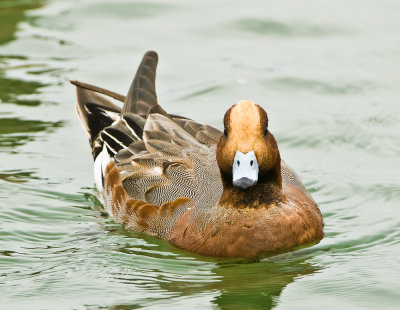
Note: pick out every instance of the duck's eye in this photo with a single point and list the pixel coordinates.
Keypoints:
(226, 132)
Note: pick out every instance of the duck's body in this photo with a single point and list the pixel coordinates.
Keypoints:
(188, 183)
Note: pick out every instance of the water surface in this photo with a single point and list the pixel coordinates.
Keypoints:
(328, 74)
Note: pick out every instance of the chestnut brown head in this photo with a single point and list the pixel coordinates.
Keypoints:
(247, 153)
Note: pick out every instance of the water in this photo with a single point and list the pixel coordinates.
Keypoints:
(326, 71)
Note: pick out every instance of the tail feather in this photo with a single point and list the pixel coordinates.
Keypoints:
(96, 113)
(142, 97)
(102, 119)
(112, 128)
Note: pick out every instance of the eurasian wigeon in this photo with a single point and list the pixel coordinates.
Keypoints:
(225, 194)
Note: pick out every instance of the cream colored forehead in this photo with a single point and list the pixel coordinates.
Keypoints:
(245, 116)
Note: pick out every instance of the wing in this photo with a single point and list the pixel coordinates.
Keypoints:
(167, 164)
(156, 180)
(204, 134)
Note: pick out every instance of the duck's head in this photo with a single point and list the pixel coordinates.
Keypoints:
(247, 153)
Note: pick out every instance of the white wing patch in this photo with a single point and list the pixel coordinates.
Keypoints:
(100, 165)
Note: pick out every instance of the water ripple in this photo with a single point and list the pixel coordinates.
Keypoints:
(274, 27)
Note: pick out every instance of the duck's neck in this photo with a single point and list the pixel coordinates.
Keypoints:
(267, 190)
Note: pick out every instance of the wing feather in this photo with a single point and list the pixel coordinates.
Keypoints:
(171, 165)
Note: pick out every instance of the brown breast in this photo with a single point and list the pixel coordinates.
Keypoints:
(232, 232)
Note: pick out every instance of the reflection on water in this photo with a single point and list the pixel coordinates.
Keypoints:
(124, 9)
(258, 285)
(12, 91)
(296, 84)
(274, 27)
(235, 283)
(329, 80)
(16, 176)
(15, 132)
(12, 13)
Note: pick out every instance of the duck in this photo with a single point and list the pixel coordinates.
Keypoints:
(211, 192)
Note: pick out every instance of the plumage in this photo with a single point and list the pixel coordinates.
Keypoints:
(171, 177)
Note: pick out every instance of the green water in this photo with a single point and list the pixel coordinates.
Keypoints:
(328, 74)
